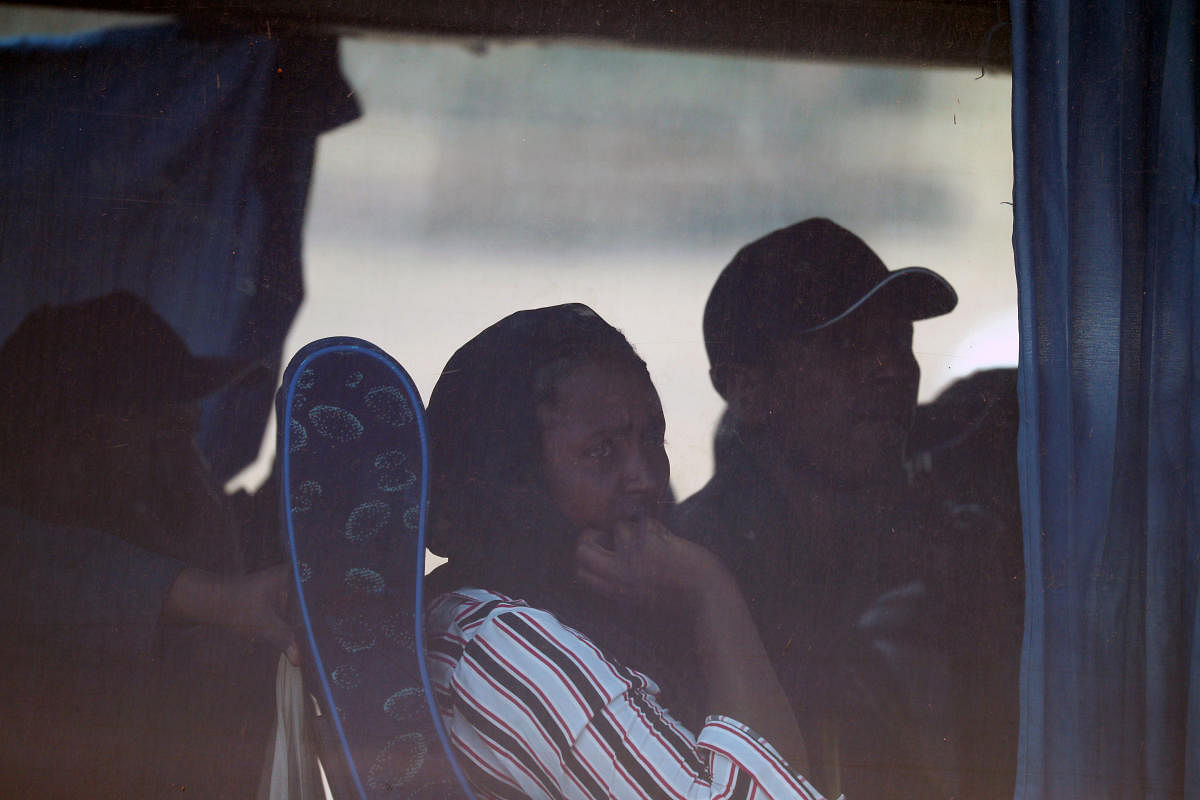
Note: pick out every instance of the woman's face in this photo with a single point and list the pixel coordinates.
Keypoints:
(602, 446)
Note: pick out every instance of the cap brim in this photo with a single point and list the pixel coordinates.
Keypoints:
(916, 292)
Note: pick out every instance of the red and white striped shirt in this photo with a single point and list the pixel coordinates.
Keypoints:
(535, 710)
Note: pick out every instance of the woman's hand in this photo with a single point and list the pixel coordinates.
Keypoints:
(643, 564)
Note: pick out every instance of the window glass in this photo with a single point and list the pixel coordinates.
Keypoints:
(483, 178)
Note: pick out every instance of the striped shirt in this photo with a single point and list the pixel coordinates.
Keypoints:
(535, 710)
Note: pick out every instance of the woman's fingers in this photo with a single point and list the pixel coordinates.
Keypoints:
(598, 561)
(594, 538)
(608, 572)
(642, 563)
(629, 538)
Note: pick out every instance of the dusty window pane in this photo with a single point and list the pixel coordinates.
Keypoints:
(477, 183)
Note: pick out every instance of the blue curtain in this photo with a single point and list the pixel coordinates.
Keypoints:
(1107, 185)
(176, 165)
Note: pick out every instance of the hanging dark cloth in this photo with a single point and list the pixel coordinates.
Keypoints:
(1105, 144)
(175, 166)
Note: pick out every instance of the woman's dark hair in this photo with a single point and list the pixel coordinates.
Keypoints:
(487, 495)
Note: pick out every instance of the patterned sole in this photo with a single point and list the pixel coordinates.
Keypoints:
(354, 474)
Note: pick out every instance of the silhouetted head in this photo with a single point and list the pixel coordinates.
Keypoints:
(101, 409)
(544, 424)
(968, 438)
(809, 339)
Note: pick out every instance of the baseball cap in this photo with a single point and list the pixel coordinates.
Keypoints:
(111, 354)
(802, 278)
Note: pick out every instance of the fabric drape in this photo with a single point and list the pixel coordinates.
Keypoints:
(1105, 146)
(174, 165)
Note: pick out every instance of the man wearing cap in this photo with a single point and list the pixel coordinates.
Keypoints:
(809, 338)
(122, 569)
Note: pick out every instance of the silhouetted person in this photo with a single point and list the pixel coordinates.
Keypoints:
(809, 337)
(963, 457)
(966, 439)
(122, 569)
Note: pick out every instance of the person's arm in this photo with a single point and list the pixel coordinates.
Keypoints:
(650, 567)
(80, 590)
(91, 592)
(535, 709)
(248, 605)
(739, 675)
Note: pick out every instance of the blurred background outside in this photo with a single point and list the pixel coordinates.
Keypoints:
(483, 178)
